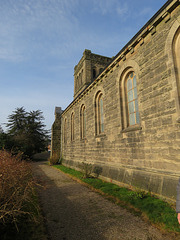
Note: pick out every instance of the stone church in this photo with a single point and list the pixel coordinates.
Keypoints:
(125, 116)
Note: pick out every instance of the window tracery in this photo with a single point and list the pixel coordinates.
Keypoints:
(99, 113)
(65, 130)
(129, 101)
(72, 127)
(83, 122)
(132, 100)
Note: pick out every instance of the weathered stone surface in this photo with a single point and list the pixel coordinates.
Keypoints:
(131, 155)
(56, 134)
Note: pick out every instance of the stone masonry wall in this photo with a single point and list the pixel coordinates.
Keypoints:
(56, 136)
(148, 157)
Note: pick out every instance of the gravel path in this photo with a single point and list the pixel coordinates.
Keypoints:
(74, 212)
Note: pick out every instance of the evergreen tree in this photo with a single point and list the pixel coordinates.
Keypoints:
(27, 131)
(36, 134)
(6, 141)
(1, 130)
(17, 121)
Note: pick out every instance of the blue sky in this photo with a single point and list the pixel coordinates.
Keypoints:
(42, 40)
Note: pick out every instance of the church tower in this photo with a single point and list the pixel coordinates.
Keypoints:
(88, 68)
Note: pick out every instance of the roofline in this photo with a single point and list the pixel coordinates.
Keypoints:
(143, 28)
(146, 26)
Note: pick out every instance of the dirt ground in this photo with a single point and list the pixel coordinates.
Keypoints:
(74, 212)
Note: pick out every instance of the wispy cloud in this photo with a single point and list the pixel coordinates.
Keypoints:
(44, 29)
(42, 40)
(146, 12)
(27, 26)
(122, 10)
(106, 6)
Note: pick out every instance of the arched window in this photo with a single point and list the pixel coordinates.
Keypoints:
(65, 130)
(99, 113)
(80, 79)
(94, 73)
(176, 54)
(83, 122)
(81, 76)
(72, 127)
(129, 100)
(77, 81)
(132, 100)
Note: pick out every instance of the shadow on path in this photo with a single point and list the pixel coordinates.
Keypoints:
(65, 217)
(74, 212)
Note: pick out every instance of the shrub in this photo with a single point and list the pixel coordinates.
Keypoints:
(138, 194)
(54, 159)
(16, 188)
(87, 169)
(97, 171)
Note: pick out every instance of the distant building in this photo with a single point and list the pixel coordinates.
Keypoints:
(125, 116)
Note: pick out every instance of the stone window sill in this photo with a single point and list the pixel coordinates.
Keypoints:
(101, 135)
(130, 129)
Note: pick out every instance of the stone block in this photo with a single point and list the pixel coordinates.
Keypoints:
(105, 171)
(128, 175)
(167, 120)
(155, 184)
(169, 187)
(113, 173)
(140, 180)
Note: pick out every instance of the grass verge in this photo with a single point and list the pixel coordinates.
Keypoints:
(156, 210)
